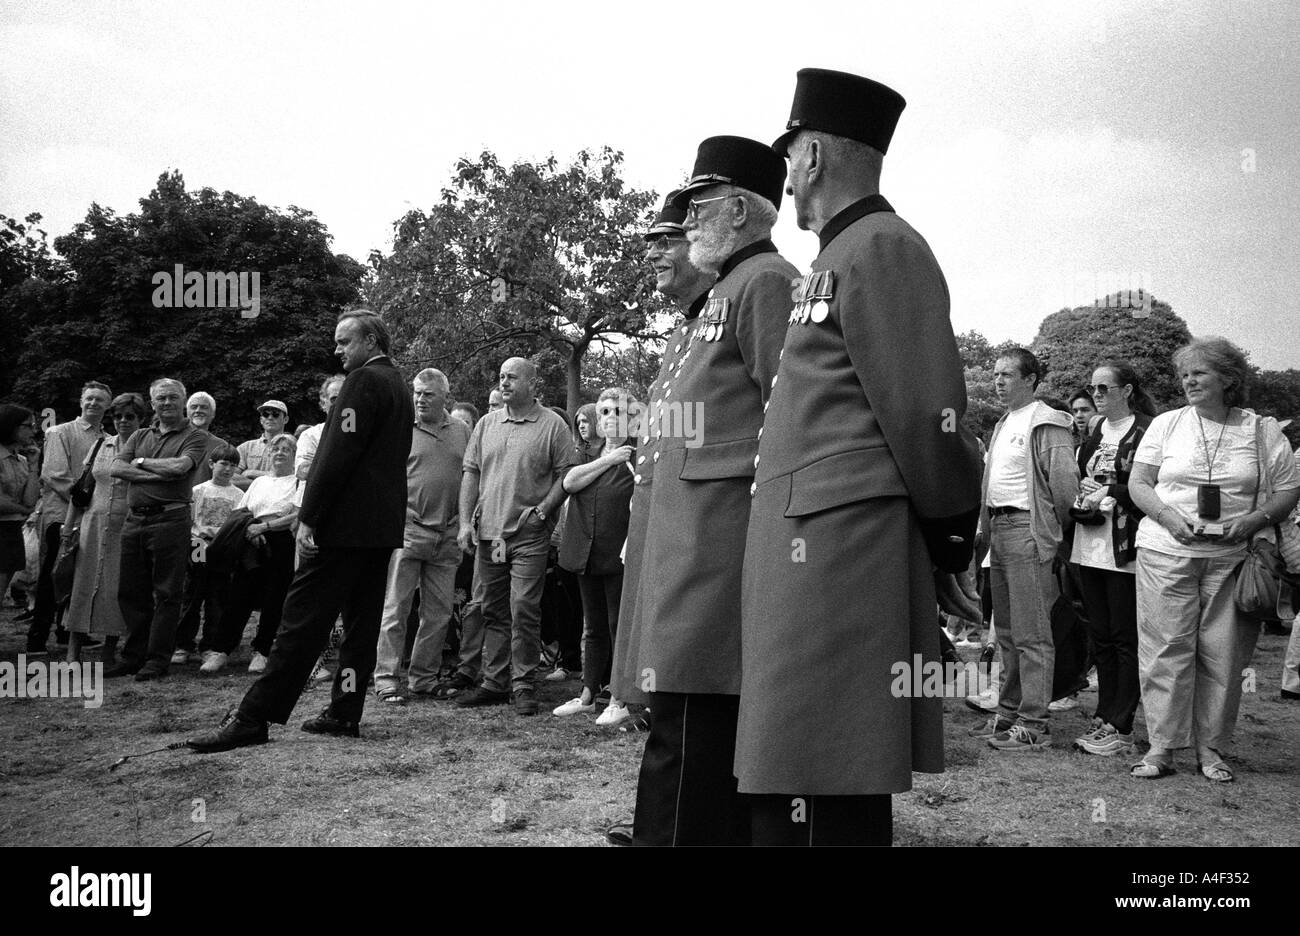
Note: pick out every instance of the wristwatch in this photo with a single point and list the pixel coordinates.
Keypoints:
(541, 514)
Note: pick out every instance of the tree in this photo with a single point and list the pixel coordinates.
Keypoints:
(31, 283)
(1072, 342)
(110, 323)
(520, 259)
(1277, 393)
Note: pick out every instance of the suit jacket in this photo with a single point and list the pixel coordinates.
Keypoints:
(356, 489)
(864, 473)
(679, 622)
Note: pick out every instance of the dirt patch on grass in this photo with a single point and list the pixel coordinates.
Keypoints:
(430, 773)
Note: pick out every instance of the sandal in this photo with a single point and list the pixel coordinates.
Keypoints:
(1218, 771)
(635, 724)
(1151, 770)
(391, 696)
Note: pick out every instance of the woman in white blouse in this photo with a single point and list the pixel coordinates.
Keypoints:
(270, 499)
(1198, 478)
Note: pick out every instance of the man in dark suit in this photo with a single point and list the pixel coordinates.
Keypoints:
(866, 484)
(352, 518)
(680, 647)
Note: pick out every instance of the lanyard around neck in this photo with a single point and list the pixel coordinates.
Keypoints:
(1205, 446)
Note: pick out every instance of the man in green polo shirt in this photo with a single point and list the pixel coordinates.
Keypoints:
(514, 469)
(159, 461)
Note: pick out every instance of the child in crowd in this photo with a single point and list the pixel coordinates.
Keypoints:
(213, 502)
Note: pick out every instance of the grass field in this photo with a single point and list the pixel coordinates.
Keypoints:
(432, 774)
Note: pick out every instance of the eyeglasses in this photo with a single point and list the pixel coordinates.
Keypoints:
(663, 244)
(693, 210)
(1101, 389)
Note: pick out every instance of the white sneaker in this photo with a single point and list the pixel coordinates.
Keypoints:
(1063, 705)
(323, 675)
(257, 664)
(180, 656)
(986, 701)
(614, 713)
(558, 674)
(213, 662)
(574, 707)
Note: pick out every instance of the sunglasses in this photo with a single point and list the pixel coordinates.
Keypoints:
(271, 414)
(1101, 389)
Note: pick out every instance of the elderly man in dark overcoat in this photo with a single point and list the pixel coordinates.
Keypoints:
(686, 540)
(866, 495)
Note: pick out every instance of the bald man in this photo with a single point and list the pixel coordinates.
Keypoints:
(513, 472)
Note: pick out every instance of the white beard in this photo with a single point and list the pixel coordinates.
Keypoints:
(711, 247)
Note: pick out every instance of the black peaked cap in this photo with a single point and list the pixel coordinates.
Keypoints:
(733, 160)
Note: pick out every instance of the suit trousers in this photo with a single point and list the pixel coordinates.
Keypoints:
(155, 551)
(432, 569)
(687, 791)
(1192, 648)
(1024, 590)
(781, 819)
(346, 580)
(512, 607)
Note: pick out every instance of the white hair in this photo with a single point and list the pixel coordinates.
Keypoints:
(168, 381)
(762, 213)
(433, 376)
(201, 397)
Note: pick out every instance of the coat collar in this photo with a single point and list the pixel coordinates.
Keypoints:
(859, 209)
(743, 254)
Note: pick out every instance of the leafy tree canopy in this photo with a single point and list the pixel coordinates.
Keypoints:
(524, 259)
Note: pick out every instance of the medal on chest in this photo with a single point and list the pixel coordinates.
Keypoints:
(713, 318)
(812, 295)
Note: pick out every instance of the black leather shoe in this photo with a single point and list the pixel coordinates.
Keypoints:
(1288, 694)
(150, 672)
(619, 833)
(235, 731)
(325, 723)
(122, 669)
(481, 696)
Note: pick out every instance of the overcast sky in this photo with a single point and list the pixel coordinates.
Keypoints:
(1050, 152)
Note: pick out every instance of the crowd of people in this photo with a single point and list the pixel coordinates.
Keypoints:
(741, 596)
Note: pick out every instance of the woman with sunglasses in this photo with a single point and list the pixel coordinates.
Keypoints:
(93, 609)
(599, 506)
(1105, 550)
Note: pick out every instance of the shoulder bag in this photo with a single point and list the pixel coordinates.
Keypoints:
(1265, 590)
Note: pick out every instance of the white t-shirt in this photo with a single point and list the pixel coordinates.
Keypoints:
(269, 496)
(1008, 477)
(1174, 444)
(308, 442)
(1094, 545)
(213, 503)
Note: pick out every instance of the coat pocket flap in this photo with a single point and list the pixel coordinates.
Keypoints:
(843, 479)
(733, 459)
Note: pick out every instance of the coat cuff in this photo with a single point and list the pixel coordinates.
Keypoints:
(951, 540)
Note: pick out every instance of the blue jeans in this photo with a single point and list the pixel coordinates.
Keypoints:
(512, 606)
(1024, 589)
(431, 567)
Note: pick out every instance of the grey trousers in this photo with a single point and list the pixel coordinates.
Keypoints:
(1192, 648)
(1024, 589)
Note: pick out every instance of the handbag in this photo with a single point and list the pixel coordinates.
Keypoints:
(1265, 590)
(84, 489)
